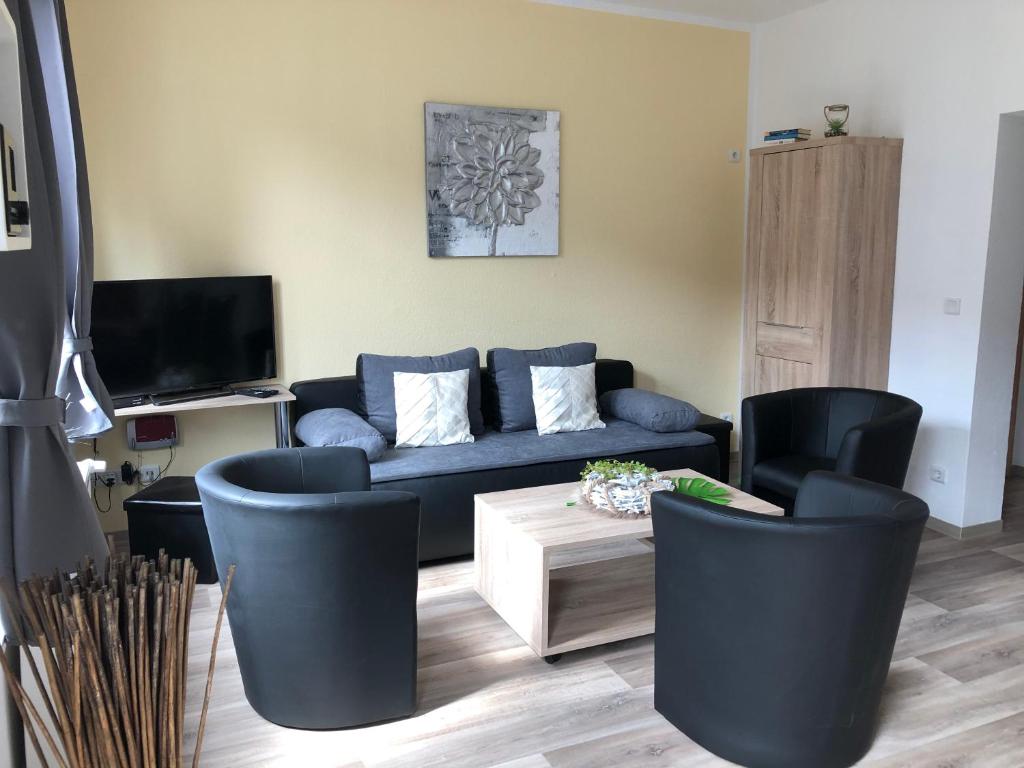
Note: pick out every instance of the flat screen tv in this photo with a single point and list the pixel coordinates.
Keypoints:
(154, 337)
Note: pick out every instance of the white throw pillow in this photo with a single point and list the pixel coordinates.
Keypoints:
(565, 399)
(431, 408)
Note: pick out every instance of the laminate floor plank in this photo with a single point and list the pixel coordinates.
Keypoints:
(993, 588)
(933, 633)
(954, 697)
(1016, 551)
(635, 667)
(949, 573)
(949, 711)
(999, 744)
(651, 743)
(979, 658)
(533, 761)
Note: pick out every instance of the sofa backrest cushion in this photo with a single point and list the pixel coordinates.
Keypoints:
(343, 391)
(375, 375)
(510, 373)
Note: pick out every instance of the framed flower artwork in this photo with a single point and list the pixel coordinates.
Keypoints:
(491, 181)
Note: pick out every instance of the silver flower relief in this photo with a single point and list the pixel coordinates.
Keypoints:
(492, 181)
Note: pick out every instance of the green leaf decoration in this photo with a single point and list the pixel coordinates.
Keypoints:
(703, 489)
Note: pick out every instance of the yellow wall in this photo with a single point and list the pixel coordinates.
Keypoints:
(250, 137)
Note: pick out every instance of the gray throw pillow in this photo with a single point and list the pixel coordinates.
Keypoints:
(375, 376)
(658, 413)
(340, 426)
(509, 371)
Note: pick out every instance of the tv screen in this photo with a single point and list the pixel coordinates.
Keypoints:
(159, 336)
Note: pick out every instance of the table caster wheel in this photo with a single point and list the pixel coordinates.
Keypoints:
(552, 659)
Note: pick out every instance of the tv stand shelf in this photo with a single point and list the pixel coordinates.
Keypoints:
(279, 401)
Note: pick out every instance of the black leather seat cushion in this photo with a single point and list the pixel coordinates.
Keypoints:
(784, 474)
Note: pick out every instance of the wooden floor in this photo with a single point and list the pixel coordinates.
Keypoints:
(955, 694)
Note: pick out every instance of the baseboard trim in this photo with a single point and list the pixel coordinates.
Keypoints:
(969, 532)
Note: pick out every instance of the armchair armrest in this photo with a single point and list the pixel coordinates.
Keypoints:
(880, 449)
(767, 431)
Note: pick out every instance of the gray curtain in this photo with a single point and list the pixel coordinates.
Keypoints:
(89, 408)
(46, 517)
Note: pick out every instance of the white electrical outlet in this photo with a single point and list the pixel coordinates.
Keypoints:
(937, 474)
(733, 155)
(725, 416)
(148, 473)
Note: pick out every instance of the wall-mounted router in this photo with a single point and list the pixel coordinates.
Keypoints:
(15, 229)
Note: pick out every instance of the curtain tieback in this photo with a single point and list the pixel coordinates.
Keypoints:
(46, 412)
(76, 346)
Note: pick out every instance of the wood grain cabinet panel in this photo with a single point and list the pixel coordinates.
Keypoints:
(802, 345)
(775, 373)
(821, 255)
(789, 264)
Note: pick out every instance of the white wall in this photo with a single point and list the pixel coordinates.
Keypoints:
(938, 73)
(997, 351)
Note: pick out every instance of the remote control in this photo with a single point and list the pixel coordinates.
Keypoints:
(260, 392)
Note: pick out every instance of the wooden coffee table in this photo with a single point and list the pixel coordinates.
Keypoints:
(566, 578)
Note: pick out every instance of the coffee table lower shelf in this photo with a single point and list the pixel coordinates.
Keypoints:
(570, 597)
(595, 603)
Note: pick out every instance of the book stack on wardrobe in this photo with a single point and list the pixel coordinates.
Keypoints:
(786, 136)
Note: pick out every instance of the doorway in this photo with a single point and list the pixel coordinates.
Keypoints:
(995, 484)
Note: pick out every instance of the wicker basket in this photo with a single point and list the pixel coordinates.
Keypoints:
(626, 495)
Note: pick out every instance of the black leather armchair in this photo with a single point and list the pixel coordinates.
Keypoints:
(774, 634)
(323, 604)
(857, 432)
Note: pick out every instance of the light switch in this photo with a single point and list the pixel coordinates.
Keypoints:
(951, 306)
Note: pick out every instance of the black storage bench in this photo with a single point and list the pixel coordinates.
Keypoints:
(168, 515)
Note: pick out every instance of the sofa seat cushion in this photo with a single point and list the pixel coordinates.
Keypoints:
(493, 450)
(784, 474)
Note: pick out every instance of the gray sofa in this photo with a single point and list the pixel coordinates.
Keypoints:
(446, 478)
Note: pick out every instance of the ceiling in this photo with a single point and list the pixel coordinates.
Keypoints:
(729, 12)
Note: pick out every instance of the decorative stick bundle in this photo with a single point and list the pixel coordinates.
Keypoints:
(114, 647)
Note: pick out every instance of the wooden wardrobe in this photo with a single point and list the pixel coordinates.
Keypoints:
(821, 253)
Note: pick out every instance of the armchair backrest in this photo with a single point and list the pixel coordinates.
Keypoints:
(823, 415)
(288, 471)
(327, 573)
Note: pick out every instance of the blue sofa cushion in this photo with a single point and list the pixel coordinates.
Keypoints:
(658, 413)
(375, 375)
(493, 450)
(340, 426)
(510, 371)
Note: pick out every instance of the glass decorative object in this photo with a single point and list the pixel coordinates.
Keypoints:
(836, 116)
